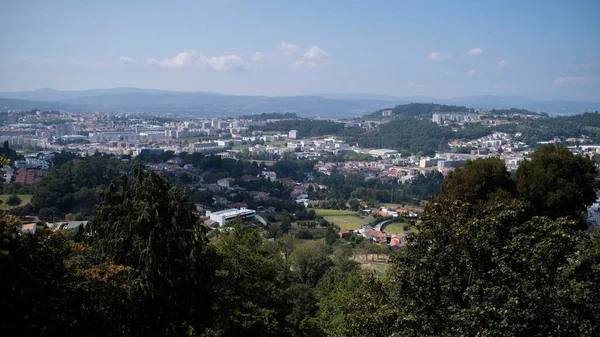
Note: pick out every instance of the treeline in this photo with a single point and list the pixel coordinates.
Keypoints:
(414, 135)
(545, 129)
(418, 109)
(514, 111)
(75, 186)
(271, 115)
(373, 192)
(305, 127)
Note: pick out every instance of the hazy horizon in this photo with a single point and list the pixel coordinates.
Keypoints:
(542, 50)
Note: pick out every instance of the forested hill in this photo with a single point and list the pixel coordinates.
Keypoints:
(417, 109)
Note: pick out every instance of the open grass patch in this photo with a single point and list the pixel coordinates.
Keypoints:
(333, 212)
(346, 221)
(396, 227)
(25, 199)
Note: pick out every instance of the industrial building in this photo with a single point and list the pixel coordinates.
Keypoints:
(223, 216)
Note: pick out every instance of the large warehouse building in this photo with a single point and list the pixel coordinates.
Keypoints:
(229, 214)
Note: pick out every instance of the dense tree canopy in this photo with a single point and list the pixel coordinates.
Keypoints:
(305, 127)
(494, 271)
(147, 224)
(478, 180)
(557, 183)
(75, 186)
(419, 109)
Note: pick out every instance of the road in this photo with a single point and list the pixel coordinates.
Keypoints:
(381, 224)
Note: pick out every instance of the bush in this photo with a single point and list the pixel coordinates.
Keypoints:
(13, 200)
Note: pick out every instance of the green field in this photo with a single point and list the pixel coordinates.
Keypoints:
(25, 199)
(399, 227)
(346, 221)
(396, 227)
(240, 147)
(330, 212)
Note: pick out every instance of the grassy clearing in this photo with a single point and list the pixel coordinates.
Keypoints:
(25, 199)
(346, 221)
(396, 227)
(240, 147)
(377, 264)
(330, 212)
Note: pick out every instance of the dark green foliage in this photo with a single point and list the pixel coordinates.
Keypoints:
(35, 298)
(418, 109)
(273, 115)
(492, 270)
(414, 135)
(250, 286)
(310, 261)
(63, 157)
(557, 183)
(7, 153)
(148, 225)
(355, 303)
(74, 187)
(13, 200)
(478, 180)
(544, 129)
(305, 127)
(292, 168)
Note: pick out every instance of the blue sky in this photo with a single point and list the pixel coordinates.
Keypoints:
(544, 49)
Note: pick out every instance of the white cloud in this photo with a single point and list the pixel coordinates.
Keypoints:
(192, 59)
(127, 60)
(415, 85)
(302, 64)
(315, 53)
(575, 80)
(287, 47)
(473, 72)
(502, 64)
(475, 52)
(435, 56)
(581, 66)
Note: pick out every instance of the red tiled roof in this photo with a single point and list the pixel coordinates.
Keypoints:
(376, 234)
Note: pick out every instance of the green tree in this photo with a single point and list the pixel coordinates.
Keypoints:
(286, 244)
(557, 183)
(478, 180)
(13, 200)
(310, 260)
(354, 204)
(492, 270)
(358, 305)
(250, 285)
(147, 224)
(36, 298)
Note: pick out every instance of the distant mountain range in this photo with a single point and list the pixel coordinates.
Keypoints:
(212, 104)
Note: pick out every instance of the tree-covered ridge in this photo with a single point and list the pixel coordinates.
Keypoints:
(417, 109)
(414, 135)
(305, 127)
(76, 185)
(271, 115)
(545, 129)
(515, 111)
